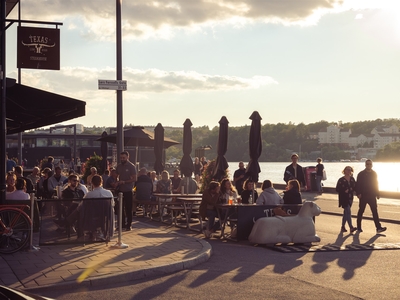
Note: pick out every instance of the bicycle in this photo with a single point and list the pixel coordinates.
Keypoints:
(15, 228)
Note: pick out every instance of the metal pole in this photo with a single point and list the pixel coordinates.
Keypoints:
(74, 146)
(3, 123)
(120, 126)
(19, 155)
(31, 247)
(120, 244)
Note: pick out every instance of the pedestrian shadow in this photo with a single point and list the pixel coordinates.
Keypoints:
(348, 262)
(244, 268)
(358, 260)
(321, 259)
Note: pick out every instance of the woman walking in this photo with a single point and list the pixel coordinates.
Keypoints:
(320, 174)
(345, 188)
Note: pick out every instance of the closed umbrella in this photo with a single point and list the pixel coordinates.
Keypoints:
(104, 153)
(255, 147)
(158, 148)
(186, 164)
(221, 164)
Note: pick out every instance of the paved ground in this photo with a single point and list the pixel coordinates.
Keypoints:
(153, 249)
(150, 251)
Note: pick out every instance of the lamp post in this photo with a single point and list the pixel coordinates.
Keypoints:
(3, 126)
(120, 126)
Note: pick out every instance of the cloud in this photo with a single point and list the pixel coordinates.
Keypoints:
(359, 16)
(145, 18)
(83, 82)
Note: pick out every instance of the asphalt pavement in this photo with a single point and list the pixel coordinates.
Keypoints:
(155, 249)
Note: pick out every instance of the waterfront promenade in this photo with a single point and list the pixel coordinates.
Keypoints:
(156, 249)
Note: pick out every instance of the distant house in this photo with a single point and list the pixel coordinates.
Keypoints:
(380, 136)
(334, 135)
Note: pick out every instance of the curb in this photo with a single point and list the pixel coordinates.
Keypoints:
(202, 257)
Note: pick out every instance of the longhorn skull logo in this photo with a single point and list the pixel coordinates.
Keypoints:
(38, 46)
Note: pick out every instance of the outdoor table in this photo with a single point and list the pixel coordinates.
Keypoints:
(188, 203)
(162, 200)
(246, 215)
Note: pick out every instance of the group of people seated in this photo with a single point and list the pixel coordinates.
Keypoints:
(219, 193)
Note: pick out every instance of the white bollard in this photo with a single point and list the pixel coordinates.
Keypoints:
(31, 247)
(119, 244)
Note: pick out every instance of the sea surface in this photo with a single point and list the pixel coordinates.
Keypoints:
(388, 172)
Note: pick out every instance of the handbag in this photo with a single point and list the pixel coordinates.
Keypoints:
(324, 175)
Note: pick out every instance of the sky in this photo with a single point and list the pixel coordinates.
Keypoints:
(298, 61)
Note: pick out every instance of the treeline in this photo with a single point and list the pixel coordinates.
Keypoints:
(280, 140)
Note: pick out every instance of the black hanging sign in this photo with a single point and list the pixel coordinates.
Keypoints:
(38, 48)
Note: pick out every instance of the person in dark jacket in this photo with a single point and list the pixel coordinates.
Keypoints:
(294, 171)
(320, 174)
(144, 186)
(208, 207)
(346, 189)
(248, 190)
(292, 194)
(367, 192)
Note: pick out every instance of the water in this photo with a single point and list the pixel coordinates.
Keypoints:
(388, 175)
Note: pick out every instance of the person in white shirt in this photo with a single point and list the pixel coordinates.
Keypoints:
(19, 193)
(98, 191)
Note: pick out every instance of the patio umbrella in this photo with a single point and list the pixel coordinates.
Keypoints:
(29, 108)
(221, 164)
(137, 136)
(255, 147)
(158, 148)
(186, 165)
(104, 153)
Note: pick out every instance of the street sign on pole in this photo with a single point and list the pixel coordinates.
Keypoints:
(119, 85)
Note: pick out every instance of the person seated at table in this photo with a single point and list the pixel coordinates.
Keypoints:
(42, 187)
(80, 180)
(93, 171)
(11, 178)
(176, 180)
(227, 191)
(144, 186)
(34, 176)
(18, 170)
(208, 207)
(292, 194)
(153, 176)
(20, 191)
(72, 191)
(92, 220)
(188, 185)
(248, 187)
(269, 196)
(112, 182)
(164, 185)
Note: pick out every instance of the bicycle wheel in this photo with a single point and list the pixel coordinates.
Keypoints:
(14, 230)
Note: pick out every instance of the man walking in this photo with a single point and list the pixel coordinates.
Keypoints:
(367, 190)
(127, 176)
(294, 171)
